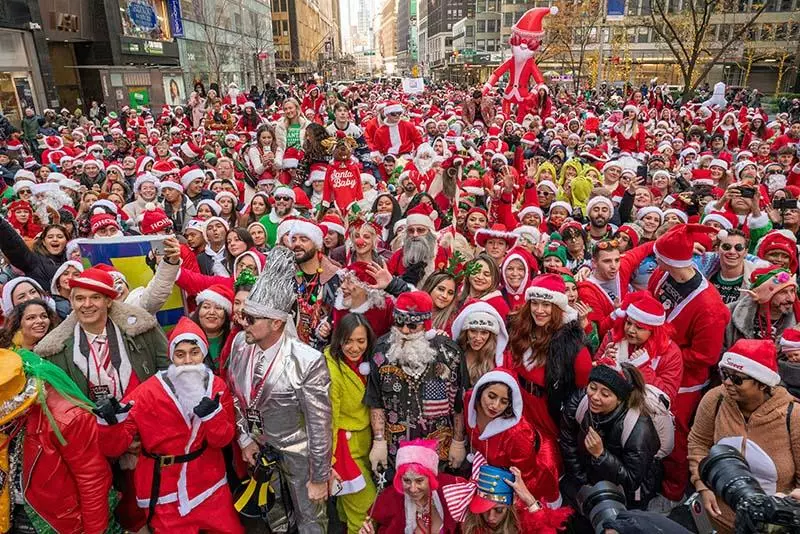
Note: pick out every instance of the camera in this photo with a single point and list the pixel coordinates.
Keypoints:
(784, 204)
(747, 192)
(600, 503)
(726, 471)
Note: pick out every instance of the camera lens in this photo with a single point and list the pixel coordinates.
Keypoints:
(601, 503)
(727, 473)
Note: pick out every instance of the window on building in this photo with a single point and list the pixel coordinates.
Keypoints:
(480, 44)
(794, 31)
(237, 22)
(646, 7)
(491, 5)
(643, 35)
(633, 7)
(508, 19)
(470, 31)
(449, 26)
(781, 31)
(753, 33)
(785, 5)
(480, 6)
(149, 20)
(481, 26)
(724, 33)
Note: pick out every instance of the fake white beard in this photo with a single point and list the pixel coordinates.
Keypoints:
(419, 248)
(189, 384)
(423, 165)
(412, 352)
(233, 93)
(51, 199)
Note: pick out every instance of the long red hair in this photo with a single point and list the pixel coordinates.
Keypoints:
(660, 337)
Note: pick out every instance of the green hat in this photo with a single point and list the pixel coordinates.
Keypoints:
(556, 248)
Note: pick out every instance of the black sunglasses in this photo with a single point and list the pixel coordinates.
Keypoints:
(248, 319)
(738, 247)
(736, 380)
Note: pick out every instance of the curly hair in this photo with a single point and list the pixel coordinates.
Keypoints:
(14, 320)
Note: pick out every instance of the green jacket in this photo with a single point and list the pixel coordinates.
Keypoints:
(144, 340)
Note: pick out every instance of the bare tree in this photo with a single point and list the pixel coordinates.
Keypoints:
(687, 34)
(258, 40)
(214, 18)
(571, 30)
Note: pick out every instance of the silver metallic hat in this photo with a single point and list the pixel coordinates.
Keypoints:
(273, 295)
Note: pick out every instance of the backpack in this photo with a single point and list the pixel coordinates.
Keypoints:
(662, 418)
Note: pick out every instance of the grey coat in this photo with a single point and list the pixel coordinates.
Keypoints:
(743, 315)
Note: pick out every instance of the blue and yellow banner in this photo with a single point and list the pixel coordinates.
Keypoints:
(128, 255)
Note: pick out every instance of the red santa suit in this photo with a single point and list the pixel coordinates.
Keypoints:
(629, 140)
(513, 442)
(238, 100)
(699, 321)
(194, 494)
(379, 317)
(397, 139)
(423, 180)
(397, 267)
(342, 185)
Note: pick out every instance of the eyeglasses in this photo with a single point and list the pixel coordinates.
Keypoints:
(738, 247)
(248, 319)
(286, 199)
(545, 193)
(394, 114)
(736, 379)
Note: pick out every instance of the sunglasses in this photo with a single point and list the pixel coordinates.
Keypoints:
(603, 245)
(287, 199)
(738, 247)
(736, 379)
(248, 319)
(545, 193)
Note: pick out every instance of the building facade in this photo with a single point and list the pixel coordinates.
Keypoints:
(387, 37)
(307, 38)
(442, 16)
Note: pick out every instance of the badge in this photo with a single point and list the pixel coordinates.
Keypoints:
(254, 425)
(99, 393)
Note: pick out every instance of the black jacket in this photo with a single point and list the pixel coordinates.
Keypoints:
(40, 267)
(629, 465)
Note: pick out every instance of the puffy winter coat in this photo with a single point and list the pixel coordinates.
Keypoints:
(76, 473)
(625, 464)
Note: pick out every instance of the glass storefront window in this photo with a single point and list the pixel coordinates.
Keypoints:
(145, 19)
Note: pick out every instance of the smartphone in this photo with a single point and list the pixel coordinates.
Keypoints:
(701, 521)
(157, 246)
(336, 487)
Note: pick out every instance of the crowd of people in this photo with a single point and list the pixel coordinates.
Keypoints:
(403, 313)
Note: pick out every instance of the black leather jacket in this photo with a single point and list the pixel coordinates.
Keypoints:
(629, 465)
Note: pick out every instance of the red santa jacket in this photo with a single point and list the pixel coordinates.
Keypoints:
(634, 143)
(342, 185)
(397, 139)
(397, 267)
(699, 322)
(76, 471)
(380, 318)
(164, 429)
(240, 100)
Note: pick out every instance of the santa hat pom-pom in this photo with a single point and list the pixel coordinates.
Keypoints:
(149, 206)
(98, 211)
(722, 234)
(554, 10)
(363, 368)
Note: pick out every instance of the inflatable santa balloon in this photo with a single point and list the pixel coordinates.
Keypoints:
(526, 38)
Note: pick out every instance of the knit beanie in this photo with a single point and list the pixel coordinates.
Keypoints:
(613, 379)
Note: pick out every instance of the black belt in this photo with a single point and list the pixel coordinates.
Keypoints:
(534, 389)
(163, 460)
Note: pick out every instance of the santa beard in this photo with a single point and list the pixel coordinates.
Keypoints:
(51, 199)
(419, 249)
(412, 352)
(233, 93)
(189, 383)
(423, 165)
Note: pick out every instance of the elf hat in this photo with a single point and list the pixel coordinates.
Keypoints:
(95, 279)
(756, 358)
(551, 288)
(766, 282)
(154, 220)
(420, 456)
(187, 330)
(676, 247)
(556, 248)
(218, 294)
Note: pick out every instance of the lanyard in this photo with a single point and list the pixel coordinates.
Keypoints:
(101, 360)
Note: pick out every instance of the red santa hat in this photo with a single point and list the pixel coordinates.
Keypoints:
(782, 240)
(643, 308)
(680, 214)
(219, 294)
(676, 247)
(91, 160)
(392, 106)
(190, 174)
(332, 223)
(154, 220)
(171, 184)
(413, 308)
(726, 219)
(497, 231)
(102, 220)
(530, 209)
(473, 186)
(420, 456)
(422, 215)
(307, 228)
(164, 168)
(291, 158)
(598, 200)
(54, 142)
(191, 150)
(551, 288)
(95, 279)
(529, 26)
(316, 172)
(790, 340)
(187, 330)
(756, 358)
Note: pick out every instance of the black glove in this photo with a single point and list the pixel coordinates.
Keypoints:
(414, 273)
(207, 406)
(109, 408)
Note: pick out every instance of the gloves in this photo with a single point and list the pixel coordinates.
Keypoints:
(458, 451)
(206, 406)
(414, 273)
(108, 409)
(379, 455)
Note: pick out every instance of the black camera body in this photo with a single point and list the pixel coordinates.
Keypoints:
(726, 471)
(784, 204)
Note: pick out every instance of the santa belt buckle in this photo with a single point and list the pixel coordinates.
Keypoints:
(164, 461)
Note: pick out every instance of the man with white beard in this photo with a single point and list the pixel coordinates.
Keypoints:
(184, 417)
(420, 169)
(421, 254)
(413, 387)
(234, 97)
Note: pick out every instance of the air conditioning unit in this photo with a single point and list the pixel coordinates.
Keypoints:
(67, 22)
